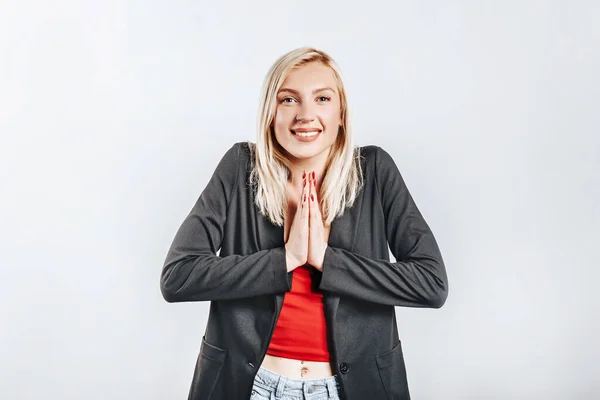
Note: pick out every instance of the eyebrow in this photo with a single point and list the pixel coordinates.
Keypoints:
(313, 92)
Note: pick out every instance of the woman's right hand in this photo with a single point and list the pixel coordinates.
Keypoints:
(296, 247)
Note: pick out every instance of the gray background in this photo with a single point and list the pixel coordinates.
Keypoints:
(114, 115)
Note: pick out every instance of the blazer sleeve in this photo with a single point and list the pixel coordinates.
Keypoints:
(418, 278)
(193, 272)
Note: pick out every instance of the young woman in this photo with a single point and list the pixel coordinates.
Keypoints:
(302, 291)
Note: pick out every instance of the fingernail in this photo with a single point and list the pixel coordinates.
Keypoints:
(304, 184)
(312, 198)
(313, 175)
(303, 174)
(304, 197)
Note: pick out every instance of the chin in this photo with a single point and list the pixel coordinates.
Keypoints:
(306, 153)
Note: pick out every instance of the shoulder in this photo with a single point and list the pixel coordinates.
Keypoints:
(238, 154)
(376, 157)
(238, 150)
(369, 151)
(234, 161)
(380, 167)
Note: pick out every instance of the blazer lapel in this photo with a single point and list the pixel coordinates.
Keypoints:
(341, 235)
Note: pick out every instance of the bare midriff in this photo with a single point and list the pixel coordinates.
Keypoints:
(297, 369)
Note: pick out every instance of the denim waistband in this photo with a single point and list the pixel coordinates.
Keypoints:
(296, 387)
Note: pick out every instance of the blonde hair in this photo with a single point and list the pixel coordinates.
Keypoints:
(270, 168)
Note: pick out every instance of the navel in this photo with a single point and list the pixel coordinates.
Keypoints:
(303, 372)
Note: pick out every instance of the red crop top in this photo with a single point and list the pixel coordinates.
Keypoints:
(300, 332)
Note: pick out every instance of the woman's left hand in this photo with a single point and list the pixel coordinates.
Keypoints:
(317, 243)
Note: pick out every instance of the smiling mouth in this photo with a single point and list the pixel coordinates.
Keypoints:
(306, 134)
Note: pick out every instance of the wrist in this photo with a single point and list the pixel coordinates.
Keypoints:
(291, 262)
(321, 259)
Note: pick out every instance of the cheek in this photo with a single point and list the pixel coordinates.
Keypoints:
(277, 121)
(279, 118)
(281, 123)
(283, 117)
(331, 117)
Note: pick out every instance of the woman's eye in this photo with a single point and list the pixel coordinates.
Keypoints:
(324, 98)
(287, 100)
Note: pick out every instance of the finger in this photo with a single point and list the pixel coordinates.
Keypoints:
(306, 184)
(319, 215)
(313, 204)
(300, 201)
(313, 190)
(317, 201)
(304, 196)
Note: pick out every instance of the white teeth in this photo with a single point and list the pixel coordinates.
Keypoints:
(307, 134)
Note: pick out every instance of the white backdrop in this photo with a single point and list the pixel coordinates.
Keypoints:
(114, 114)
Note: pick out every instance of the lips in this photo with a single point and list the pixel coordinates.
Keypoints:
(306, 132)
(306, 135)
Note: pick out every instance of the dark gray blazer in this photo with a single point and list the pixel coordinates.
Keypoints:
(247, 281)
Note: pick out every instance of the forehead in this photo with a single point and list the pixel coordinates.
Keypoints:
(309, 76)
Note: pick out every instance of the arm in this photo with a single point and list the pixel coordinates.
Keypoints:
(193, 272)
(417, 279)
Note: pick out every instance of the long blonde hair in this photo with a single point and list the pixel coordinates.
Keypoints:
(270, 168)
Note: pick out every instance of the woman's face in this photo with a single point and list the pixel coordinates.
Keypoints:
(307, 113)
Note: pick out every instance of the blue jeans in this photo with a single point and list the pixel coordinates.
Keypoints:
(271, 386)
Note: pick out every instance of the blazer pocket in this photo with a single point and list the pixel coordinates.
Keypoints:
(213, 352)
(208, 368)
(392, 372)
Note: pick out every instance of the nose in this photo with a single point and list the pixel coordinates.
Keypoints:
(306, 113)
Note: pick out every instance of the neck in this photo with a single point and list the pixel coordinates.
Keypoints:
(316, 164)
